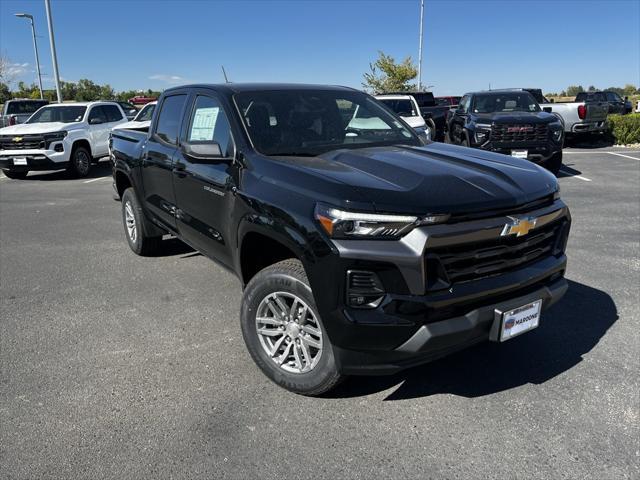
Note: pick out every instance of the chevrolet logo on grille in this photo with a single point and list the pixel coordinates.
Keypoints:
(519, 226)
(17, 139)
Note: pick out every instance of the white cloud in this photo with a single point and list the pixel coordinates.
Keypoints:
(17, 69)
(170, 79)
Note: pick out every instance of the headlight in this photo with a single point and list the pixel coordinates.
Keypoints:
(49, 138)
(482, 133)
(557, 130)
(423, 132)
(341, 224)
(556, 194)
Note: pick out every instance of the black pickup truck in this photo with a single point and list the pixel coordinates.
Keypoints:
(509, 122)
(360, 249)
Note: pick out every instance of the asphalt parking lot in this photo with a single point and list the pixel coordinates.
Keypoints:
(117, 366)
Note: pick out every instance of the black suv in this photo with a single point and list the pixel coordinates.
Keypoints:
(361, 249)
(509, 122)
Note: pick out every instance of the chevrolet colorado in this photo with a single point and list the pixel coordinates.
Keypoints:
(509, 122)
(361, 249)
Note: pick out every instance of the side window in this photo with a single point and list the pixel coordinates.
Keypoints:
(464, 104)
(613, 97)
(209, 123)
(168, 127)
(112, 112)
(97, 112)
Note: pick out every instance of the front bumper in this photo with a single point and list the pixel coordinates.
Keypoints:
(36, 160)
(418, 320)
(588, 127)
(536, 153)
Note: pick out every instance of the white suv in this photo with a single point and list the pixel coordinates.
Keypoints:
(407, 107)
(66, 135)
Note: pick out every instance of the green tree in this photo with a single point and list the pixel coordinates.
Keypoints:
(87, 91)
(573, 90)
(630, 89)
(388, 76)
(5, 93)
(69, 90)
(591, 88)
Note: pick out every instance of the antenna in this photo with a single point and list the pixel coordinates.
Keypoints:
(225, 75)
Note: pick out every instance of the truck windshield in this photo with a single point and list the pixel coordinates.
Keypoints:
(312, 122)
(67, 114)
(146, 113)
(24, 106)
(505, 102)
(402, 107)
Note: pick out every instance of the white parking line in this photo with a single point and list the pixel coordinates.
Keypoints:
(599, 152)
(95, 179)
(569, 174)
(625, 156)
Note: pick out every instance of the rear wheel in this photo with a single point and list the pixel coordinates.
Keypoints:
(133, 218)
(15, 175)
(284, 333)
(80, 163)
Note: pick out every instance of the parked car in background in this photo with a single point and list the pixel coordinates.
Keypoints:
(615, 102)
(142, 100)
(638, 107)
(66, 135)
(429, 109)
(577, 117)
(509, 122)
(448, 101)
(407, 107)
(129, 109)
(18, 110)
(141, 121)
(360, 250)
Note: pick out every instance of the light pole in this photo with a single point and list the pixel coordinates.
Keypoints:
(56, 77)
(420, 47)
(35, 47)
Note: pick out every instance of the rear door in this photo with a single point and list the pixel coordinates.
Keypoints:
(114, 117)
(98, 131)
(205, 189)
(157, 159)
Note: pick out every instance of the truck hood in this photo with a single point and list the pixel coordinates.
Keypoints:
(515, 117)
(437, 178)
(26, 128)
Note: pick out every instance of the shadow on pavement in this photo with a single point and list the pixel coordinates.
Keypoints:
(567, 331)
(567, 171)
(102, 169)
(589, 140)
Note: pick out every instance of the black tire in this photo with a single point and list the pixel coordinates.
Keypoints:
(464, 142)
(134, 232)
(554, 164)
(287, 277)
(80, 162)
(15, 175)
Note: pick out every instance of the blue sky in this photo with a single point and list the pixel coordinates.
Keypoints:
(468, 44)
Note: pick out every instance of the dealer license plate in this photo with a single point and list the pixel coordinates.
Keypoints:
(520, 320)
(520, 153)
(20, 161)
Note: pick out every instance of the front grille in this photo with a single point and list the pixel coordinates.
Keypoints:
(517, 133)
(472, 261)
(25, 142)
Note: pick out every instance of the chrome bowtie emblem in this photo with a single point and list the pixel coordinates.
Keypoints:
(519, 226)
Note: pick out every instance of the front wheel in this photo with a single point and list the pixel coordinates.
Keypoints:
(15, 175)
(284, 333)
(554, 164)
(80, 163)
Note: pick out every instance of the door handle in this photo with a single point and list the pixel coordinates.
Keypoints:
(179, 170)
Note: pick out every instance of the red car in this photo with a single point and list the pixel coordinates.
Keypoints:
(449, 101)
(142, 100)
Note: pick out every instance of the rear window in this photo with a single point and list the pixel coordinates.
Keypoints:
(24, 107)
(402, 107)
(170, 117)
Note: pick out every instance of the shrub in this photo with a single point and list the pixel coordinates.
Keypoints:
(625, 129)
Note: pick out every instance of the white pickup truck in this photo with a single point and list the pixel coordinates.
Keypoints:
(407, 107)
(577, 117)
(67, 135)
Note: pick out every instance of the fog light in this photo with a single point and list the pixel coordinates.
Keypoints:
(364, 289)
(59, 148)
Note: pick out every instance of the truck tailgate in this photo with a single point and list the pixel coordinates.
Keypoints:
(596, 111)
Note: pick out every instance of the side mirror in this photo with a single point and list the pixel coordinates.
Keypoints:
(202, 150)
(552, 101)
(547, 109)
(95, 121)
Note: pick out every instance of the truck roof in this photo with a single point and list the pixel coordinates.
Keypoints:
(252, 87)
(81, 104)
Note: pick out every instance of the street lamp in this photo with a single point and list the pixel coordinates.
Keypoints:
(35, 46)
(52, 42)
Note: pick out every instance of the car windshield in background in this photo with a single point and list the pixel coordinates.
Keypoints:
(23, 107)
(402, 107)
(146, 113)
(70, 114)
(312, 122)
(505, 102)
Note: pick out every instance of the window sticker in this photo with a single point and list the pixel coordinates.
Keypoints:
(204, 122)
